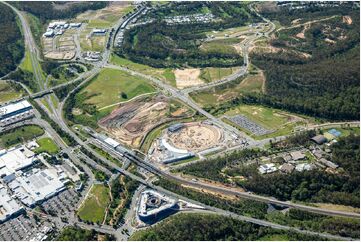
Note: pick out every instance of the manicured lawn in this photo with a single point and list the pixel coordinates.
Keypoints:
(106, 88)
(46, 145)
(93, 208)
(8, 93)
(19, 135)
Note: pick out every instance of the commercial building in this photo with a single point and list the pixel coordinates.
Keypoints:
(15, 112)
(8, 206)
(49, 33)
(15, 159)
(173, 154)
(36, 186)
(154, 206)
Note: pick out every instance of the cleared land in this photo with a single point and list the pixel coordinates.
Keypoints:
(253, 83)
(19, 135)
(211, 74)
(47, 145)
(188, 77)
(93, 208)
(106, 88)
(102, 18)
(8, 93)
(131, 122)
(196, 137)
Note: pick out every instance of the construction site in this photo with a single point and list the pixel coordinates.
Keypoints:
(59, 41)
(131, 121)
(184, 140)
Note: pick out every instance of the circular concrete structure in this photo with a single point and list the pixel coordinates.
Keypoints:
(196, 137)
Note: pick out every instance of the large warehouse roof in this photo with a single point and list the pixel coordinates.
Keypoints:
(15, 159)
(13, 107)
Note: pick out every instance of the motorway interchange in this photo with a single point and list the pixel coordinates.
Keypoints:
(128, 156)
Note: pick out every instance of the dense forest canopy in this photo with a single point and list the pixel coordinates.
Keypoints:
(159, 44)
(11, 42)
(315, 69)
(57, 10)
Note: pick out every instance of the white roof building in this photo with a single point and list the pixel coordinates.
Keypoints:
(31, 188)
(15, 159)
(267, 168)
(304, 167)
(111, 142)
(8, 206)
(13, 108)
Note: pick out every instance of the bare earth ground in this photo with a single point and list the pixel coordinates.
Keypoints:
(188, 77)
(132, 121)
(196, 137)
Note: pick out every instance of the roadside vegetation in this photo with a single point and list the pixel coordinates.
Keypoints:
(20, 135)
(197, 226)
(9, 91)
(74, 233)
(122, 190)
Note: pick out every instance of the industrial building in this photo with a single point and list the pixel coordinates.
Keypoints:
(8, 206)
(15, 112)
(99, 31)
(175, 127)
(15, 159)
(36, 186)
(154, 206)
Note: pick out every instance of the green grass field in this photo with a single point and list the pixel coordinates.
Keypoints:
(93, 208)
(8, 93)
(166, 75)
(46, 145)
(282, 122)
(26, 64)
(19, 135)
(105, 89)
(219, 46)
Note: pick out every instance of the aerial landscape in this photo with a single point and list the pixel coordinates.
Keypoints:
(180, 120)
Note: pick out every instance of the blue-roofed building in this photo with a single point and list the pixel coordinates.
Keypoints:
(175, 127)
(335, 132)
